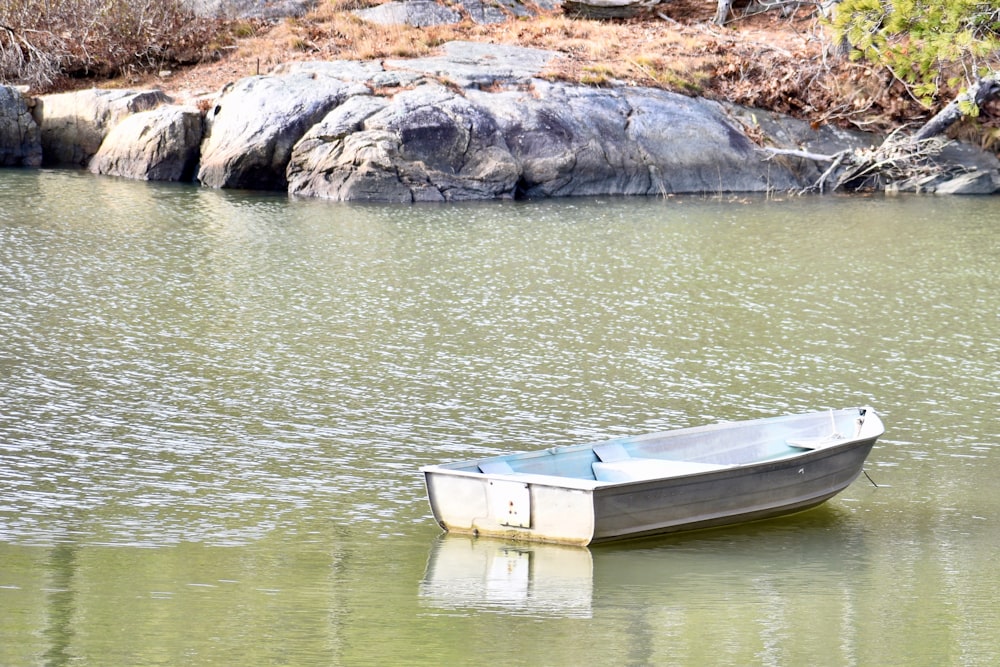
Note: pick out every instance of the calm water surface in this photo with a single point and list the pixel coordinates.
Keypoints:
(213, 406)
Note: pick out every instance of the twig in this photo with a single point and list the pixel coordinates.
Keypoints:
(821, 183)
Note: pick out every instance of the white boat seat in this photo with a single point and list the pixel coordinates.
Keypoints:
(634, 470)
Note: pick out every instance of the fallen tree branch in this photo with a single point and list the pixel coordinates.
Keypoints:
(975, 96)
(898, 158)
(835, 160)
(806, 155)
(820, 184)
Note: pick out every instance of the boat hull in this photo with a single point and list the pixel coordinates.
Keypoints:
(738, 495)
(565, 506)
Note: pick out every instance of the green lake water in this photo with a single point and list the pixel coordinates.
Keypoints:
(214, 405)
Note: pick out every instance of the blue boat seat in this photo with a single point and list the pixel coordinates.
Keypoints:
(496, 468)
(634, 470)
(609, 452)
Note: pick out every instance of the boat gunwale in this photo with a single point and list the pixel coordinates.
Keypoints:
(578, 483)
(583, 484)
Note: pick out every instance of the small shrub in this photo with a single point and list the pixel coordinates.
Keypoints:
(244, 29)
(44, 42)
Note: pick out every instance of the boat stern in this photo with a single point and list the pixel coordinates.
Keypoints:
(513, 507)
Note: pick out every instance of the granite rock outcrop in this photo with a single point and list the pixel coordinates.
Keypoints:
(476, 121)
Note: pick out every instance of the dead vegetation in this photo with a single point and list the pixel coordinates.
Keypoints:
(52, 45)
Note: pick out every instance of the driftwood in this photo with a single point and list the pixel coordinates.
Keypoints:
(722, 11)
(900, 157)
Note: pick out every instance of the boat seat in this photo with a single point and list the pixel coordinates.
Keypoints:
(496, 468)
(816, 443)
(634, 470)
(611, 451)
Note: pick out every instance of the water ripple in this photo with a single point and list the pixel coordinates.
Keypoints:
(221, 365)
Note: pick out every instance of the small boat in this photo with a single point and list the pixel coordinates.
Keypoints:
(664, 482)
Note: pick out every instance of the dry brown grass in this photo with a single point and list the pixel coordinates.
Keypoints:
(649, 51)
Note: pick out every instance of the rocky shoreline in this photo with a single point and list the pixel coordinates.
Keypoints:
(478, 121)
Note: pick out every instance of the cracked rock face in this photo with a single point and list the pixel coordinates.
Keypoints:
(476, 122)
(73, 125)
(157, 145)
(20, 140)
(254, 124)
(432, 143)
(427, 144)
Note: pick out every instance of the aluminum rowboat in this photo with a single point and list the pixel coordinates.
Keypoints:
(664, 482)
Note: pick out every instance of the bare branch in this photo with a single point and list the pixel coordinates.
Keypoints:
(806, 155)
(978, 94)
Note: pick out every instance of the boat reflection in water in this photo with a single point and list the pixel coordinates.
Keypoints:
(721, 570)
(530, 579)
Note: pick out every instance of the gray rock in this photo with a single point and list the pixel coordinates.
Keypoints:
(419, 13)
(157, 145)
(606, 9)
(316, 168)
(427, 144)
(369, 72)
(255, 123)
(574, 140)
(20, 140)
(567, 141)
(961, 155)
(489, 13)
(266, 9)
(422, 13)
(73, 125)
(433, 143)
(970, 183)
(472, 64)
(519, 9)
